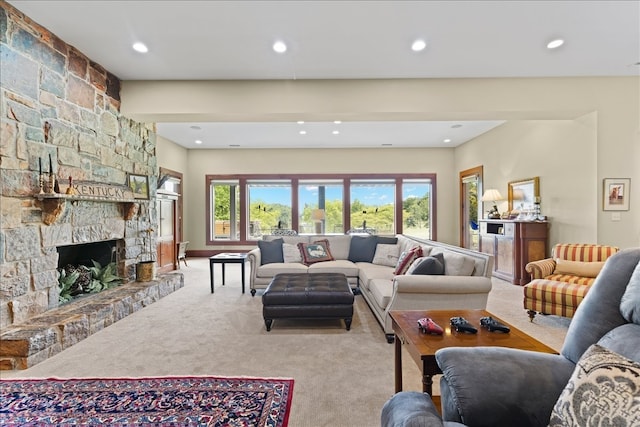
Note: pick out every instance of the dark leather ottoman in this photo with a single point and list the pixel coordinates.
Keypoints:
(308, 296)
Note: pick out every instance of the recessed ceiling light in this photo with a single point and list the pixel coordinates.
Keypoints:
(197, 141)
(335, 132)
(447, 140)
(303, 132)
(418, 45)
(280, 47)
(194, 127)
(140, 47)
(553, 44)
(337, 122)
(456, 126)
(300, 122)
(386, 145)
(234, 145)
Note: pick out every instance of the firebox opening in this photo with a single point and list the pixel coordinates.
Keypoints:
(82, 254)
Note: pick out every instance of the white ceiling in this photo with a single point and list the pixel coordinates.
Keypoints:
(212, 40)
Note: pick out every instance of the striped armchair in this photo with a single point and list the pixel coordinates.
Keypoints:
(560, 283)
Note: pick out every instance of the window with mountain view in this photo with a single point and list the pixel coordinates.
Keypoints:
(247, 207)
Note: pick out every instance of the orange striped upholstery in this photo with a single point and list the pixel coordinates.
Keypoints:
(540, 269)
(553, 297)
(569, 278)
(560, 294)
(582, 251)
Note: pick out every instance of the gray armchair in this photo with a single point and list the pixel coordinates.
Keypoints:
(492, 386)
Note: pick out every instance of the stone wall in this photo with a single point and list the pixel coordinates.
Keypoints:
(54, 101)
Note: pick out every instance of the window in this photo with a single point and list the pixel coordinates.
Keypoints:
(373, 206)
(269, 206)
(225, 201)
(416, 207)
(243, 208)
(320, 207)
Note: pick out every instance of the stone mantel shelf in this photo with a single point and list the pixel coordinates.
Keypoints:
(73, 197)
(52, 205)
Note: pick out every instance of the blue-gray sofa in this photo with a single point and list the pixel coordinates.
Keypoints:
(596, 376)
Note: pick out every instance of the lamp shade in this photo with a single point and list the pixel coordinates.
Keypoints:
(317, 214)
(491, 195)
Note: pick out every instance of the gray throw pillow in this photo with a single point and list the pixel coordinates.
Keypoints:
(362, 248)
(270, 252)
(383, 240)
(430, 265)
(630, 303)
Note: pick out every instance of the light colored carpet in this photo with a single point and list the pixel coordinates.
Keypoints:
(342, 378)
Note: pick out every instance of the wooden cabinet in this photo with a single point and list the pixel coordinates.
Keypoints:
(513, 244)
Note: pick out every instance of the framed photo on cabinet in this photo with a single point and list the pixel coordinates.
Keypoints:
(615, 194)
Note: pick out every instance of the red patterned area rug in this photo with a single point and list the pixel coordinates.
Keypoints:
(161, 401)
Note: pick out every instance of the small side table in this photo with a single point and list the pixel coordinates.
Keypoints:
(227, 258)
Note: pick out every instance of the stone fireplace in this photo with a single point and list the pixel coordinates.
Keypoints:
(60, 117)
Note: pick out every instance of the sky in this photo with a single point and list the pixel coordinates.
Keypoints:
(369, 196)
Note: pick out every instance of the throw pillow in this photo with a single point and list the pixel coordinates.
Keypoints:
(578, 268)
(362, 248)
(630, 303)
(429, 265)
(456, 264)
(386, 255)
(406, 259)
(383, 240)
(315, 252)
(603, 390)
(291, 253)
(270, 251)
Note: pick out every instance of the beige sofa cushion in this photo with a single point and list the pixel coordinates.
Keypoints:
(578, 268)
(456, 264)
(386, 255)
(338, 245)
(343, 266)
(291, 253)
(370, 272)
(381, 291)
(270, 270)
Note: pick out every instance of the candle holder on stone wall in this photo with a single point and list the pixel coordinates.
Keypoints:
(52, 184)
(41, 184)
(70, 190)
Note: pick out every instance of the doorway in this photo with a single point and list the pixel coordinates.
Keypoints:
(169, 208)
(470, 187)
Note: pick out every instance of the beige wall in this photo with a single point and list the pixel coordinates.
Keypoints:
(572, 132)
(203, 162)
(562, 153)
(171, 155)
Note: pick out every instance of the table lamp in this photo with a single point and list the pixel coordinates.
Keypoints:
(492, 195)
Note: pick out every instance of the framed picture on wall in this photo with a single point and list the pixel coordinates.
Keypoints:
(615, 194)
(139, 184)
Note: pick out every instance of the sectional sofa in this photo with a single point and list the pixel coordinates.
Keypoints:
(389, 272)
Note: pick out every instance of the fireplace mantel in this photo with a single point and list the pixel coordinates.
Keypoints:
(52, 205)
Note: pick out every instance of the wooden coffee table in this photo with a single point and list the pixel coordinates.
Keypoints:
(423, 347)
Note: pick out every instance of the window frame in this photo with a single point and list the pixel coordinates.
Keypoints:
(295, 180)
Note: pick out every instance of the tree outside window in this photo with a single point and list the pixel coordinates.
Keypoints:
(416, 207)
